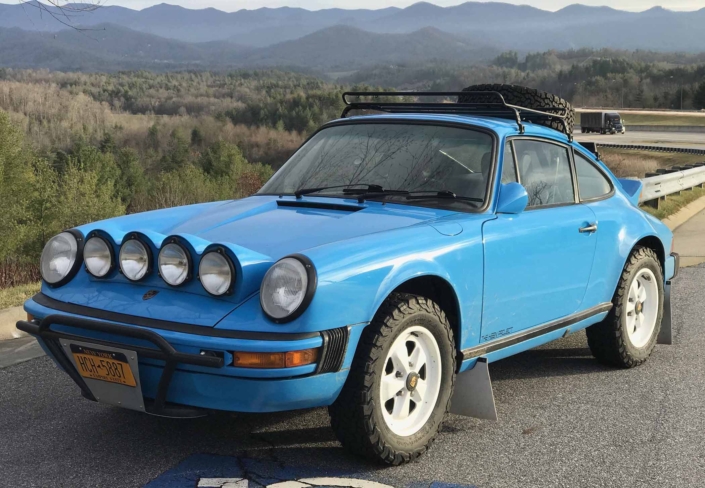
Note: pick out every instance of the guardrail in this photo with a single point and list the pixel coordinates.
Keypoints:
(665, 181)
(657, 186)
(683, 150)
(698, 129)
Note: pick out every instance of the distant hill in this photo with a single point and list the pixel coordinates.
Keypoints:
(346, 48)
(110, 48)
(505, 26)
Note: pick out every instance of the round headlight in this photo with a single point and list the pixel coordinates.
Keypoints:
(134, 260)
(287, 288)
(58, 258)
(174, 264)
(98, 257)
(216, 273)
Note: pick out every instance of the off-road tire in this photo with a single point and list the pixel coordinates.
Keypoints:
(356, 415)
(608, 340)
(529, 98)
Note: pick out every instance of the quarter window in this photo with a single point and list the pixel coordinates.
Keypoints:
(591, 182)
(544, 170)
(509, 173)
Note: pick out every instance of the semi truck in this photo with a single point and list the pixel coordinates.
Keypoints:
(602, 123)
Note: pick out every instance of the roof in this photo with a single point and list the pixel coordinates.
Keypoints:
(503, 127)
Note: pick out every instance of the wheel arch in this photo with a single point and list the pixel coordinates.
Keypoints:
(441, 291)
(655, 244)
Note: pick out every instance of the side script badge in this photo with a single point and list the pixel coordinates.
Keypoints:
(149, 294)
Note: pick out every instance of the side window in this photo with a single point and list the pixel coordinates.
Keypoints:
(591, 182)
(544, 170)
(509, 174)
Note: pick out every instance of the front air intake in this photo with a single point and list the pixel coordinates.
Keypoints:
(335, 343)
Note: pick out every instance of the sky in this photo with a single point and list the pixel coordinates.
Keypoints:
(233, 5)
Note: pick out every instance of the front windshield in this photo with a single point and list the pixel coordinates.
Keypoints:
(402, 157)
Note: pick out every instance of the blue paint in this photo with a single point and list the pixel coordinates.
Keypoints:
(513, 199)
(509, 269)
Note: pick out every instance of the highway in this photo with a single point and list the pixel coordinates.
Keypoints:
(690, 140)
(564, 421)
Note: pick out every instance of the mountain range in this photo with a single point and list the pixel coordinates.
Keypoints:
(109, 47)
(167, 37)
(505, 26)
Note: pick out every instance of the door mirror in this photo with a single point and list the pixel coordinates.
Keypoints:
(513, 198)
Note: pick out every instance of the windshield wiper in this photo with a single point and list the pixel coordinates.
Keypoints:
(424, 195)
(361, 197)
(306, 191)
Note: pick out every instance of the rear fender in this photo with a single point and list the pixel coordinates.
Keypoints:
(632, 189)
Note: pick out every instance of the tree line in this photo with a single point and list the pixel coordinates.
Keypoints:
(585, 77)
(79, 147)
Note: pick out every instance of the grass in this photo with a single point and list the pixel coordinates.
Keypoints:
(15, 296)
(631, 118)
(628, 163)
(665, 118)
(673, 204)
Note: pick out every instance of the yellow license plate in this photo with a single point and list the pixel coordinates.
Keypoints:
(101, 365)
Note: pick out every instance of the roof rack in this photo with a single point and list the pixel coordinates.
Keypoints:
(493, 104)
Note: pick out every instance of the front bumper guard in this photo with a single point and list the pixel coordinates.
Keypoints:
(164, 351)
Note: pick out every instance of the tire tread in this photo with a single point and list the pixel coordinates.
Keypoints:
(352, 413)
(529, 98)
(605, 339)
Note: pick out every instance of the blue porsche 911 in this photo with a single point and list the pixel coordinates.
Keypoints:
(399, 251)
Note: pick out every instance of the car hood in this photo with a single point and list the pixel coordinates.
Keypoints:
(269, 225)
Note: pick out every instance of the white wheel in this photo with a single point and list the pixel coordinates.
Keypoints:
(642, 307)
(412, 380)
(400, 382)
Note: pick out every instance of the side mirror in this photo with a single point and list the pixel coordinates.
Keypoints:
(513, 198)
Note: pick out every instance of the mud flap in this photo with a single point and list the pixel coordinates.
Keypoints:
(473, 396)
(665, 336)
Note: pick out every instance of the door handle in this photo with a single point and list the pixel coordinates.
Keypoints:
(589, 229)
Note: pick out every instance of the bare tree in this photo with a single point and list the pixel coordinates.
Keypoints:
(63, 11)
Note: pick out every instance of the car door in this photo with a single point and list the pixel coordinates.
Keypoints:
(596, 191)
(538, 262)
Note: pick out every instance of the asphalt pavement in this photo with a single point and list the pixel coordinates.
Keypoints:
(564, 421)
(689, 140)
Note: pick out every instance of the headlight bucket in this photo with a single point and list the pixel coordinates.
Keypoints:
(95, 248)
(287, 288)
(174, 263)
(72, 242)
(216, 265)
(135, 258)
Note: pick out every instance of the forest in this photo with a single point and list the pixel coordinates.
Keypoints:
(585, 77)
(80, 147)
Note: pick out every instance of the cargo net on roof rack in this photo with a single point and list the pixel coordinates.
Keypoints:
(478, 103)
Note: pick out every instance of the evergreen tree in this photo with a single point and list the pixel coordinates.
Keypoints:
(699, 97)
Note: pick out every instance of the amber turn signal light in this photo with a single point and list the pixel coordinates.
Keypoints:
(265, 360)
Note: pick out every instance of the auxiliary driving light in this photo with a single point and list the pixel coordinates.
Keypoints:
(270, 360)
(98, 257)
(174, 264)
(134, 259)
(59, 259)
(216, 273)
